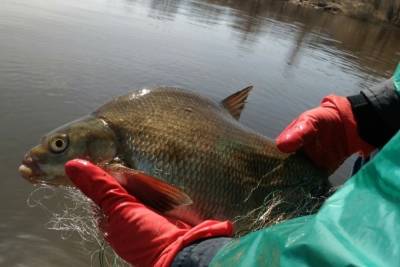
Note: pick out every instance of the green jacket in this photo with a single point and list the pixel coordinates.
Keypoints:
(359, 225)
(396, 78)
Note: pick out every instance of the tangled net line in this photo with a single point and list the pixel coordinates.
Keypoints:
(75, 215)
(78, 215)
(279, 206)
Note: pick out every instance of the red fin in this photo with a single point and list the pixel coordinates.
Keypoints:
(151, 191)
(235, 103)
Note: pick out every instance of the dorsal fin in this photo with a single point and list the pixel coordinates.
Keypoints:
(235, 103)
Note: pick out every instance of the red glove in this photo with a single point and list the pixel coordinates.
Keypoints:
(139, 235)
(328, 134)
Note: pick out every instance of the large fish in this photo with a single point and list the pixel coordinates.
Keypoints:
(196, 161)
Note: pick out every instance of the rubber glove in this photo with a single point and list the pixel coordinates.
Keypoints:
(139, 235)
(327, 134)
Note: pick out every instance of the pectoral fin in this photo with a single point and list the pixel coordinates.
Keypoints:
(151, 191)
(235, 103)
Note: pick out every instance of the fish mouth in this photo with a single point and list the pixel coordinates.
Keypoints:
(30, 170)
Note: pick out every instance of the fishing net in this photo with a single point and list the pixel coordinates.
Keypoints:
(281, 205)
(76, 217)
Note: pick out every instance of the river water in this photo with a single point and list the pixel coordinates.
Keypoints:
(61, 59)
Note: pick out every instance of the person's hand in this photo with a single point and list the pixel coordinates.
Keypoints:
(327, 134)
(139, 235)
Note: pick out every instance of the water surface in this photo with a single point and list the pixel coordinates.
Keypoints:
(61, 59)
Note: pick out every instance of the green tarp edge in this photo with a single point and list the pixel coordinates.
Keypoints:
(396, 78)
(359, 225)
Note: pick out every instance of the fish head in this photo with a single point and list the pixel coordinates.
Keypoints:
(88, 138)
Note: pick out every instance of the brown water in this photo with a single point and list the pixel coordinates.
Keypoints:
(61, 59)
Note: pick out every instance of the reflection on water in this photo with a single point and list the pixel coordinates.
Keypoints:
(374, 47)
(164, 9)
(61, 59)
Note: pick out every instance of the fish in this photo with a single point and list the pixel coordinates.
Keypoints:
(186, 156)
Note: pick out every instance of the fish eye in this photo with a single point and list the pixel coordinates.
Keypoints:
(58, 143)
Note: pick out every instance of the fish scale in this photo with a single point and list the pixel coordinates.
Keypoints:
(197, 161)
(203, 150)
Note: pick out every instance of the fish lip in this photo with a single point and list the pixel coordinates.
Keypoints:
(30, 170)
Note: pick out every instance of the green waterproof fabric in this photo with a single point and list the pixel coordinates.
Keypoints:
(396, 78)
(359, 225)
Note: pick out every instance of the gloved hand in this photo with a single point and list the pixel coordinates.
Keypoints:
(327, 134)
(137, 234)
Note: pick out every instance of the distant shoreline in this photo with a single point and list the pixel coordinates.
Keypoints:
(369, 10)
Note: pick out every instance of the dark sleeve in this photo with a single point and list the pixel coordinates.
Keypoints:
(377, 111)
(201, 253)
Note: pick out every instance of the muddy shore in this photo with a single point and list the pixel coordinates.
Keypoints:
(370, 10)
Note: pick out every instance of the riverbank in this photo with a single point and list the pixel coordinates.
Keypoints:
(370, 10)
